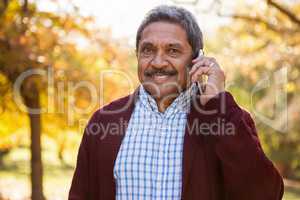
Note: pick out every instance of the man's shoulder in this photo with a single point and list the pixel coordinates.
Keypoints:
(118, 106)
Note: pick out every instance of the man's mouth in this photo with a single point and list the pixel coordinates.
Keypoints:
(152, 74)
(161, 77)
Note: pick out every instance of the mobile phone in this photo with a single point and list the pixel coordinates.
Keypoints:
(201, 83)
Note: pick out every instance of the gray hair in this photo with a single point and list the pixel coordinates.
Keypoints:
(176, 15)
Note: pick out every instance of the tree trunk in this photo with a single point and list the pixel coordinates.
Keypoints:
(61, 149)
(32, 100)
(3, 153)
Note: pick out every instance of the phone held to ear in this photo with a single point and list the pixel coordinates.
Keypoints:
(203, 78)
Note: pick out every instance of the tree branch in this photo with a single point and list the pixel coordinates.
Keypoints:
(3, 7)
(25, 7)
(5, 2)
(192, 2)
(253, 19)
(285, 11)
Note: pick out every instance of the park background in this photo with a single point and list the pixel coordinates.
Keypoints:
(81, 55)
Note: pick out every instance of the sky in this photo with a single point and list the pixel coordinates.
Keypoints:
(124, 16)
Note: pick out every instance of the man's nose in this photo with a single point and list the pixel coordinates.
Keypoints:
(159, 61)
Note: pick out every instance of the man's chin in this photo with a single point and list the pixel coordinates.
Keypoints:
(163, 92)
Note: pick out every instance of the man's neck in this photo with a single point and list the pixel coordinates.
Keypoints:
(163, 104)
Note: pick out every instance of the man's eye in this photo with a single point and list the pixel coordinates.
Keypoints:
(174, 52)
(147, 51)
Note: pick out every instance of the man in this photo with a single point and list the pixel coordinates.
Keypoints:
(173, 138)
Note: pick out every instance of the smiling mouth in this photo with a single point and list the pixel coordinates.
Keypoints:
(161, 77)
(171, 73)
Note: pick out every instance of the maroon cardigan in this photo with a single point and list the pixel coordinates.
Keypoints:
(215, 166)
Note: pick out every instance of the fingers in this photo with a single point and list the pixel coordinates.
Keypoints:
(207, 59)
(199, 72)
(196, 66)
(202, 61)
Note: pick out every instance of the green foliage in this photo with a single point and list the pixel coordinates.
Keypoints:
(34, 39)
(255, 47)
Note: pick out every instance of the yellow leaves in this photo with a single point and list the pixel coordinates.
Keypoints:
(3, 80)
(108, 55)
(290, 87)
(101, 63)
(22, 40)
(11, 130)
(47, 38)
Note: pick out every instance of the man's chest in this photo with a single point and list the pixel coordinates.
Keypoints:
(151, 152)
(151, 144)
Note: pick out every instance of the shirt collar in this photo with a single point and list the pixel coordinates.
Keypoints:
(182, 103)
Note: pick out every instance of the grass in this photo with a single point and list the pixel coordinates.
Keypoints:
(15, 181)
(291, 193)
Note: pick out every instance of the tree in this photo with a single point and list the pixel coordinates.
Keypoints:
(270, 37)
(261, 38)
(43, 43)
(29, 39)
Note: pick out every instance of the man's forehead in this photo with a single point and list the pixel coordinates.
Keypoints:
(166, 32)
(162, 41)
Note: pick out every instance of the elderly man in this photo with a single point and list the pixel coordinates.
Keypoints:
(173, 138)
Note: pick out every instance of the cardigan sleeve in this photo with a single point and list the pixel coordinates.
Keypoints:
(79, 186)
(247, 173)
(81, 182)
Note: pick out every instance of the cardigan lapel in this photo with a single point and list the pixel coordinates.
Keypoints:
(191, 143)
(118, 111)
(126, 105)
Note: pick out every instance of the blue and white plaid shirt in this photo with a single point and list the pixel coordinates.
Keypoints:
(149, 162)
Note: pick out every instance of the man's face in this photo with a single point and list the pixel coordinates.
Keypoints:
(164, 55)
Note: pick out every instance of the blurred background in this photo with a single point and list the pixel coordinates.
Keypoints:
(64, 59)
